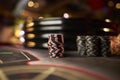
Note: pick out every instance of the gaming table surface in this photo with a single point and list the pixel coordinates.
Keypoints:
(95, 68)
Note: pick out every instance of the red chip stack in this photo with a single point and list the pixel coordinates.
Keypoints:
(56, 45)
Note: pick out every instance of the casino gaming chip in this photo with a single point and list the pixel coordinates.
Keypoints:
(105, 45)
(55, 45)
(81, 46)
(92, 45)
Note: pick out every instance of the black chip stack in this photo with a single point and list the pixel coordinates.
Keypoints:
(105, 45)
(93, 45)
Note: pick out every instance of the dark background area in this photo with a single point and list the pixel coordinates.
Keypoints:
(14, 13)
(100, 9)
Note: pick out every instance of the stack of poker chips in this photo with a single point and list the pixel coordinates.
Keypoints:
(81, 45)
(56, 45)
(105, 45)
(115, 45)
(93, 45)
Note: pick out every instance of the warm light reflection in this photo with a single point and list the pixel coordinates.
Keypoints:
(52, 28)
(45, 35)
(107, 20)
(118, 6)
(110, 3)
(45, 45)
(30, 4)
(106, 29)
(66, 15)
(29, 19)
(34, 62)
(17, 33)
(30, 24)
(1, 62)
(30, 36)
(30, 29)
(36, 5)
(55, 22)
(31, 44)
(40, 17)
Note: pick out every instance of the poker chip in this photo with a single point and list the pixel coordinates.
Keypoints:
(93, 45)
(105, 45)
(88, 45)
(81, 45)
(55, 45)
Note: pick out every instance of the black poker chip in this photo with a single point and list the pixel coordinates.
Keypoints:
(105, 45)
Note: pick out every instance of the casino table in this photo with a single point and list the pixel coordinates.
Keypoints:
(71, 66)
(105, 66)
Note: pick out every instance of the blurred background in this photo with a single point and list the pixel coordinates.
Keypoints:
(14, 14)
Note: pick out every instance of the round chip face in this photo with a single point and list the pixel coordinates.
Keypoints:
(55, 45)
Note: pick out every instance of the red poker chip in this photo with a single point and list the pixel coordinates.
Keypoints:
(56, 45)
